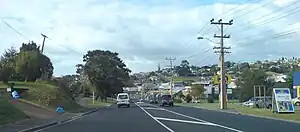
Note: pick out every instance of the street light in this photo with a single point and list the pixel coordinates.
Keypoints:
(200, 37)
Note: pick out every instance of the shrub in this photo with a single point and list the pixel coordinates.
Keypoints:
(177, 100)
(188, 98)
(210, 99)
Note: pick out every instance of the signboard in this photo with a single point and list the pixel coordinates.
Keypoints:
(296, 84)
(217, 79)
(282, 101)
(229, 91)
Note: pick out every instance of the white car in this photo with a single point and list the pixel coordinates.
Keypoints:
(296, 101)
(123, 100)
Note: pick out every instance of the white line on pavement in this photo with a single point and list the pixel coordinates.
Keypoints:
(185, 121)
(214, 124)
(155, 119)
(151, 108)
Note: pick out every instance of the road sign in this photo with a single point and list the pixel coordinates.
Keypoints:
(228, 91)
(217, 79)
(282, 101)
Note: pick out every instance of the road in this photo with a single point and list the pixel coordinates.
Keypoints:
(144, 117)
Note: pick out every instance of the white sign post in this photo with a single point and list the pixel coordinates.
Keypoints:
(93, 97)
(282, 101)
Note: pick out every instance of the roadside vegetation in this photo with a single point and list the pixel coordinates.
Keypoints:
(8, 113)
(235, 107)
(31, 72)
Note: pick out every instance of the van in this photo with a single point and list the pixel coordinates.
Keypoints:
(165, 99)
(123, 100)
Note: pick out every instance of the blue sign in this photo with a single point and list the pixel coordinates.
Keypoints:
(15, 95)
(296, 78)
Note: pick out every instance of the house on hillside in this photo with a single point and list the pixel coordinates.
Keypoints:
(278, 77)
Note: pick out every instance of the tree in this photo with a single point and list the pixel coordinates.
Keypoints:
(247, 80)
(32, 64)
(184, 68)
(27, 64)
(106, 71)
(7, 64)
(197, 91)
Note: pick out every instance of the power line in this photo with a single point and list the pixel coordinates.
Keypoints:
(263, 16)
(243, 8)
(15, 30)
(272, 19)
(253, 10)
(273, 36)
(221, 14)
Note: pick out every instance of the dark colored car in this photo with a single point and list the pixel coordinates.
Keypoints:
(165, 99)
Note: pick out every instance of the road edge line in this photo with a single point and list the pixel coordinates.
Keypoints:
(56, 123)
(251, 115)
(166, 127)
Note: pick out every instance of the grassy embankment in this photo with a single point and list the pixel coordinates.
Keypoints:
(8, 113)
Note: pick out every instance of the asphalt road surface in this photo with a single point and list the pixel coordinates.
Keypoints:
(142, 117)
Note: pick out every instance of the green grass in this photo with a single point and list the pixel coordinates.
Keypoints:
(98, 103)
(180, 79)
(46, 95)
(8, 113)
(247, 110)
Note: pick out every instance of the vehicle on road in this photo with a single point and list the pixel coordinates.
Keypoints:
(165, 99)
(296, 101)
(123, 100)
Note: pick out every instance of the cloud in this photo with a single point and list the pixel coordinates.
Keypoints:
(144, 33)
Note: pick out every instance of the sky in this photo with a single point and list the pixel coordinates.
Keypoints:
(145, 32)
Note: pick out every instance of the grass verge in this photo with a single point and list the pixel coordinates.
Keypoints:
(8, 113)
(98, 103)
(246, 110)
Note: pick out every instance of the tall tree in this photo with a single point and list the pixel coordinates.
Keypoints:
(27, 64)
(7, 64)
(248, 80)
(184, 68)
(30, 52)
(106, 71)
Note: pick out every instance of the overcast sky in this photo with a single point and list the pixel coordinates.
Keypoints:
(145, 32)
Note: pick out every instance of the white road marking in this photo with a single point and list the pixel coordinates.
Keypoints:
(214, 124)
(184, 121)
(169, 129)
(151, 108)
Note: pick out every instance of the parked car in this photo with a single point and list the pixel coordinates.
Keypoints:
(260, 102)
(296, 101)
(251, 102)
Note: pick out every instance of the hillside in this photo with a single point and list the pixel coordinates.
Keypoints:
(9, 113)
(46, 95)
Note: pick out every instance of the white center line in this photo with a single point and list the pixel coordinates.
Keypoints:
(214, 124)
(185, 121)
(169, 129)
(151, 108)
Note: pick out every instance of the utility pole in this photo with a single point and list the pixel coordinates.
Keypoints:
(171, 65)
(43, 42)
(222, 51)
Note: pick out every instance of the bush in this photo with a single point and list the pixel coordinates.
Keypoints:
(177, 100)
(188, 98)
(210, 99)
